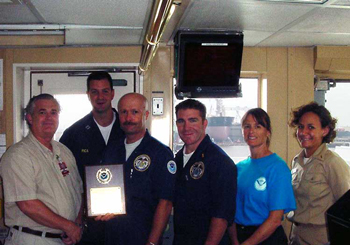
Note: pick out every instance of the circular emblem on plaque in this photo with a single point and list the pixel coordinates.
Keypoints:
(172, 167)
(197, 170)
(104, 175)
(142, 163)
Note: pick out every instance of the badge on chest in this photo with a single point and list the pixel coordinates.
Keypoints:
(142, 162)
(197, 170)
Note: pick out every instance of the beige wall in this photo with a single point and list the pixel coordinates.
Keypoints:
(158, 83)
(332, 59)
(290, 77)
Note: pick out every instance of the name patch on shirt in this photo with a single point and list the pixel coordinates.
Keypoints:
(172, 167)
(197, 170)
(63, 166)
(142, 162)
(260, 184)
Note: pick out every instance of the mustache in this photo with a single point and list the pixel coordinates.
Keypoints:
(129, 123)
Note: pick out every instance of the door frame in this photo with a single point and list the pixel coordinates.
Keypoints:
(22, 89)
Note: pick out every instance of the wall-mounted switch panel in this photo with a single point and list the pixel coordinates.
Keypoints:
(157, 106)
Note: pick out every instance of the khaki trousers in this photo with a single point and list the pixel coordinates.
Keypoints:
(308, 235)
(16, 237)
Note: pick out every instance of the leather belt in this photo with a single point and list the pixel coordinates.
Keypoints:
(37, 233)
(247, 227)
(301, 224)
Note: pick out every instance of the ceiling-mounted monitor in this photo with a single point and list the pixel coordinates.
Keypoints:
(208, 64)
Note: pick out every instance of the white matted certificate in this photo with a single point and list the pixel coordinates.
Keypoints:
(106, 200)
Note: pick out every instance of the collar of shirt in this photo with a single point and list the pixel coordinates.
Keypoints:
(319, 154)
(46, 152)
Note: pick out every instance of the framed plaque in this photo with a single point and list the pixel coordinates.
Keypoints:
(104, 189)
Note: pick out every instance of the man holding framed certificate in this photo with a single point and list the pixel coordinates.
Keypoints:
(88, 138)
(149, 171)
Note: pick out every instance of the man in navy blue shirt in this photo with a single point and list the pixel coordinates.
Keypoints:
(89, 137)
(149, 172)
(205, 189)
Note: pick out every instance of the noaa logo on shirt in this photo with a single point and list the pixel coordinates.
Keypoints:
(172, 167)
(197, 170)
(142, 163)
(104, 176)
(260, 184)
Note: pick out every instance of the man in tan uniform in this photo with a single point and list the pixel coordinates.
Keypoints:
(42, 186)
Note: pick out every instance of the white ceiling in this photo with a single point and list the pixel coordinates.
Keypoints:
(124, 22)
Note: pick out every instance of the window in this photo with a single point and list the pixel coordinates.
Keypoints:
(337, 98)
(73, 108)
(224, 120)
(69, 88)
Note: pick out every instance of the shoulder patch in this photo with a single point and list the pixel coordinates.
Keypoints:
(142, 162)
(171, 165)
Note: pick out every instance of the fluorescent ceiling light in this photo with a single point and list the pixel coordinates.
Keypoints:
(298, 1)
(30, 33)
(63, 27)
(342, 3)
(10, 2)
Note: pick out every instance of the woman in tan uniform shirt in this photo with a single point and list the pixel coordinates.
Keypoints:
(319, 176)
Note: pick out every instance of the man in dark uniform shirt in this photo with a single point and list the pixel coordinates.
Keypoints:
(149, 172)
(89, 137)
(205, 189)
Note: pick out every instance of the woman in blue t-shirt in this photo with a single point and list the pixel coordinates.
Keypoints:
(264, 187)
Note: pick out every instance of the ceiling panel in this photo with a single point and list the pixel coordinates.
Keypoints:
(341, 3)
(263, 23)
(326, 20)
(252, 38)
(307, 39)
(16, 14)
(10, 2)
(254, 16)
(92, 12)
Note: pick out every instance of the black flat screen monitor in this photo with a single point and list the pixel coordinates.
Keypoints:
(338, 221)
(208, 64)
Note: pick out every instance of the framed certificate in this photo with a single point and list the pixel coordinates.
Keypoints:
(104, 189)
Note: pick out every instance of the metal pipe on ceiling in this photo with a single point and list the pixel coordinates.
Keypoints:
(161, 14)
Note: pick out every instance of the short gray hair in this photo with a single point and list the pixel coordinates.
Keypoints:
(31, 104)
